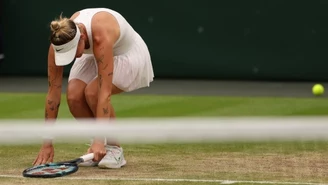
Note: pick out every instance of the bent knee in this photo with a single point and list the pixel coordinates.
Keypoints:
(91, 93)
(74, 99)
(75, 94)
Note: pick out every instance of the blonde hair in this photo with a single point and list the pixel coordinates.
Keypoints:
(63, 30)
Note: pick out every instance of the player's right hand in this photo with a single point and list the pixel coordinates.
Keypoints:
(99, 150)
(46, 154)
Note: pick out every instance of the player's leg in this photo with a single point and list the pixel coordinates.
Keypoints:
(91, 96)
(121, 79)
(77, 103)
(131, 71)
(114, 157)
(82, 72)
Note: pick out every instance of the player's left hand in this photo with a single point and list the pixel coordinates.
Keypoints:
(45, 155)
(99, 150)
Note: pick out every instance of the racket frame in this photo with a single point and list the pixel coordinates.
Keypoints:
(71, 163)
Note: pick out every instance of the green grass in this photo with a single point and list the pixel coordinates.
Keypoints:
(32, 106)
(259, 161)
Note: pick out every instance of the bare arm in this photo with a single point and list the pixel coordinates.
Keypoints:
(46, 153)
(55, 77)
(103, 51)
(103, 33)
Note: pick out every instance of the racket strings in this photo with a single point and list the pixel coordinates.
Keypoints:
(54, 169)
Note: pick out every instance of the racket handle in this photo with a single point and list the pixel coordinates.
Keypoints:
(87, 157)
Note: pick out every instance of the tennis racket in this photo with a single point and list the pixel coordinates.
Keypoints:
(57, 169)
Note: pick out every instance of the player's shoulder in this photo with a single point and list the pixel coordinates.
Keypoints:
(104, 27)
(104, 19)
(85, 10)
(76, 14)
(103, 16)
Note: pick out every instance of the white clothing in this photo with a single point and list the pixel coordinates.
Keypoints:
(132, 62)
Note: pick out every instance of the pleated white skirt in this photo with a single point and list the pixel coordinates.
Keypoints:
(132, 70)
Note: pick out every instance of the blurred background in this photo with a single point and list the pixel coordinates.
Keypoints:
(189, 39)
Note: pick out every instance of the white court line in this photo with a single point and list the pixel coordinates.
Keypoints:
(175, 180)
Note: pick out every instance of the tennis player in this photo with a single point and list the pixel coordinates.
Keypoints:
(109, 57)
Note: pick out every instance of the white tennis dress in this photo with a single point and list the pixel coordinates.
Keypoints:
(132, 62)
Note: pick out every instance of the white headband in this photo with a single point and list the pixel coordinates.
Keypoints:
(69, 45)
(65, 54)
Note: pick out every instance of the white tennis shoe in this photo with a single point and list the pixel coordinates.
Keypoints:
(113, 159)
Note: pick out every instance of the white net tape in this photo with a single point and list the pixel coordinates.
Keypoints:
(169, 129)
